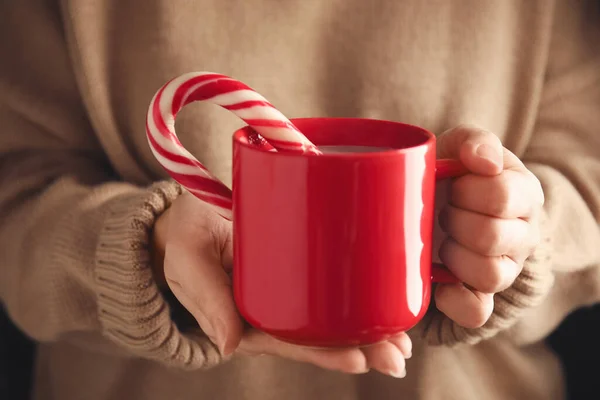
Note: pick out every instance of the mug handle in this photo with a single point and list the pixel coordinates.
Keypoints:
(445, 169)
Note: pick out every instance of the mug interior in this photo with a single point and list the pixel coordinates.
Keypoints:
(386, 136)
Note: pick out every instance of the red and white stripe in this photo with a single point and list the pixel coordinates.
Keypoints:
(254, 109)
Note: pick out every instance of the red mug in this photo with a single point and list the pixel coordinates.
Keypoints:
(336, 249)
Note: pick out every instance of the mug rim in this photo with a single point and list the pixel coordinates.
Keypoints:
(240, 134)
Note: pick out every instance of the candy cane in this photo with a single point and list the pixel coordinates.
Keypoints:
(254, 109)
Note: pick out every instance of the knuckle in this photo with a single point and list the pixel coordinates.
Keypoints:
(539, 197)
(211, 232)
(481, 134)
(464, 127)
(481, 313)
(494, 278)
(491, 239)
(501, 197)
(469, 127)
(459, 133)
(479, 318)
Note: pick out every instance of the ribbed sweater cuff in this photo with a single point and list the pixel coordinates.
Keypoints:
(132, 311)
(529, 289)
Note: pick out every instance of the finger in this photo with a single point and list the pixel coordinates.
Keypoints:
(386, 358)
(480, 151)
(513, 163)
(403, 343)
(486, 274)
(467, 308)
(511, 194)
(197, 267)
(351, 360)
(200, 318)
(486, 235)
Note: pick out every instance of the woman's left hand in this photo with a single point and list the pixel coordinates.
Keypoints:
(492, 222)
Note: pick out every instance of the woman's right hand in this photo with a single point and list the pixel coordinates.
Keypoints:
(193, 249)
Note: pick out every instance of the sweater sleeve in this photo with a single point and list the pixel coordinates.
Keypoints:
(74, 258)
(564, 153)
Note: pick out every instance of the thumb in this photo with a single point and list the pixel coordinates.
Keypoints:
(194, 268)
(479, 150)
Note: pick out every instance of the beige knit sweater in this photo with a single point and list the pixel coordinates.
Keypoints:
(80, 190)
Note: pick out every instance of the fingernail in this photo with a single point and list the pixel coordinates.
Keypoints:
(489, 153)
(409, 355)
(398, 374)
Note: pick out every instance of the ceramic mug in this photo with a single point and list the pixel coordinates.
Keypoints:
(336, 249)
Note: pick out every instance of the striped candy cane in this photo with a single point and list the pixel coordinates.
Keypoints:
(254, 109)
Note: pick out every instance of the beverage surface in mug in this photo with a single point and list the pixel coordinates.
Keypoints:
(352, 149)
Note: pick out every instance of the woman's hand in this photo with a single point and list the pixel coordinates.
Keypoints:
(193, 254)
(491, 220)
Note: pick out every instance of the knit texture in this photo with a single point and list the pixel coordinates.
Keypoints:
(133, 312)
(528, 291)
(81, 190)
